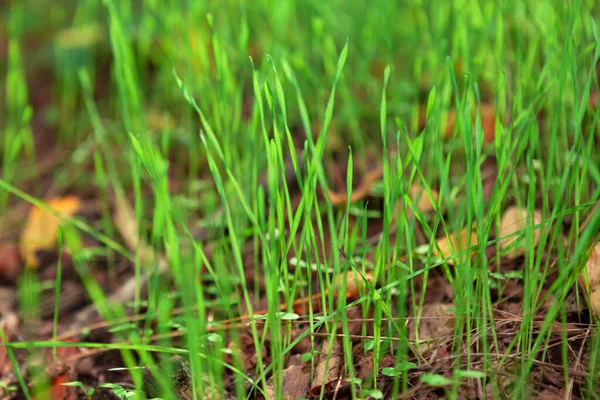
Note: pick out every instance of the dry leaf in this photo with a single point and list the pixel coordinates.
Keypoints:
(419, 194)
(42, 226)
(361, 191)
(296, 382)
(126, 223)
(488, 122)
(79, 37)
(59, 390)
(354, 282)
(10, 263)
(459, 241)
(159, 121)
(591, 274)
(328, 369)
(513, 220)
(436, 321)
(421, 199)
(550, 394)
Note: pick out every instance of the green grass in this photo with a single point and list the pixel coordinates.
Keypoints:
(192, 110)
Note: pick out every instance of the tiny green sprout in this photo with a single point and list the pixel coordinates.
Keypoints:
(288, 316)
(435, 380)
(121, 392)
(374, 393)
(470, 374)
(309, 356)
(7, 387)
(148, 332)
(214, 337)
(125, 327)
(140, 303)
(88, 393)
(390, 371)
(355, 381)
(398, 369)
(118, 390)
(507, 275)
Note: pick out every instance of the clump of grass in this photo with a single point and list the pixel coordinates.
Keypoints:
(208, 110)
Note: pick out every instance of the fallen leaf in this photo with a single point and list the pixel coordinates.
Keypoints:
(420, 197)
(419, 194)
(10, 325)
(126, 223)
(296, 382)
(488, 122)
(514, 220)
(328, 369)
(361, 191)
(590, 279)
(354, 282)
(453, 244)
(10, 263)
(60, 391)
(594, 100)
(42, 226)
(79, 37)
(159, 121)
(550, 394)
(435, 322)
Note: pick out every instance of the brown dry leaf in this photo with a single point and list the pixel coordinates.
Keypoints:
(514, 220)
(361, 191)
(159, 121)
(488, 122)
(80, 37)
(42, 226)
(594, 100)
(435, 322)
(126, 223)
(59, 390)
(420, 197)
(328, 369)
(416, 192)
(550, 394)
(457, 241)
(296, 382)
(590, 279)
(10, 263)
(354, 282)
(419, 194)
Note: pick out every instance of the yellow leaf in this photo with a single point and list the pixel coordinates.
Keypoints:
(435, 322)
(354, 282)
(514, 220)
(591, 274)
(423, 202)
(42, 226)
(159, 121)
(79, 37)
(454, 244)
